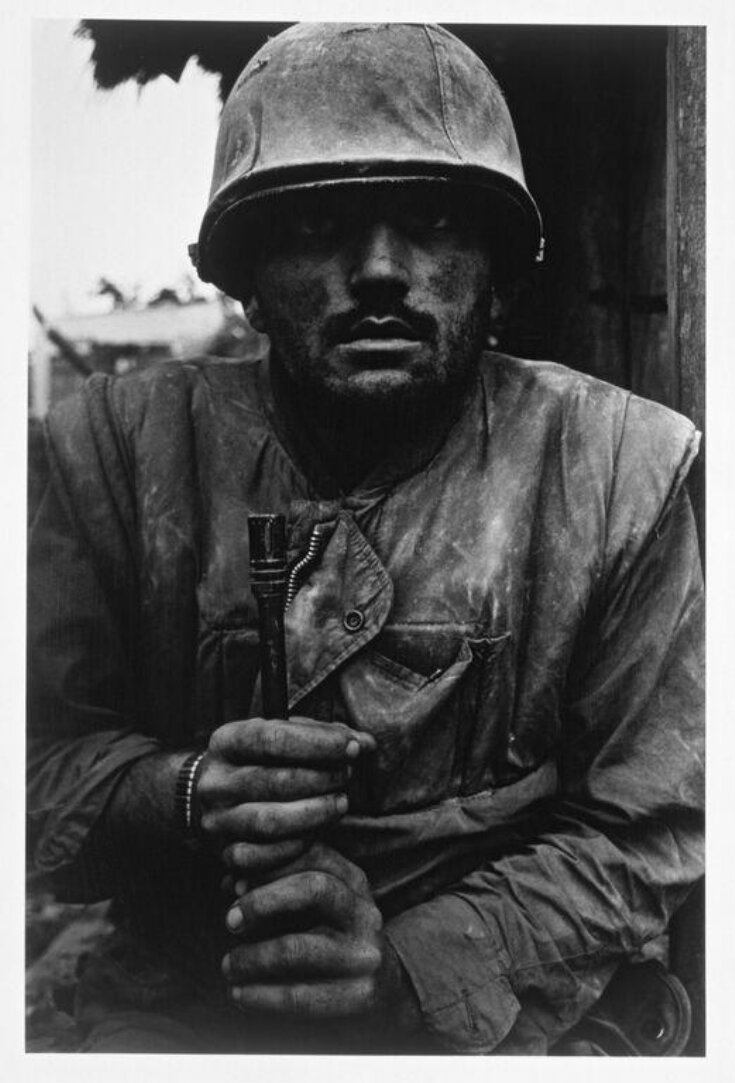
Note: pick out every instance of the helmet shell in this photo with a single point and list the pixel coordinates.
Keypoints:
(332, 103)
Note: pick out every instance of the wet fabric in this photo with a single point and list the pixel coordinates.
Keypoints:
(514, 612)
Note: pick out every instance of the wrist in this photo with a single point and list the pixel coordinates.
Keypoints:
(187, 813)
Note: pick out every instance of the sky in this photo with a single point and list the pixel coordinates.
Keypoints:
(119, 178)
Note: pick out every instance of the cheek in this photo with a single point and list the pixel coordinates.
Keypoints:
(460, 286)
(292, 303)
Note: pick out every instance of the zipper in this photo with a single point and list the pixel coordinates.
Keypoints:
(297, 574)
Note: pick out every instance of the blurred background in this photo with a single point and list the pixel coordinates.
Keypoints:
(119, 182)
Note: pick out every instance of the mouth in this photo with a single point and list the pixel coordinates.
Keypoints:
(382, 331)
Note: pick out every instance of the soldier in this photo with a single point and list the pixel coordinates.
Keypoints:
(489, 793)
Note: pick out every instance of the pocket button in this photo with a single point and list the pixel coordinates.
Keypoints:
(353, 620)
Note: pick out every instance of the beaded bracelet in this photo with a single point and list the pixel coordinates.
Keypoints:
(184, 794)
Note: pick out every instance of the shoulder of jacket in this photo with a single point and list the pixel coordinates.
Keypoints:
(594, 402)
(168, 388)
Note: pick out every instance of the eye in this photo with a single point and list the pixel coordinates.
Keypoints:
(316, 225)
(431, 218)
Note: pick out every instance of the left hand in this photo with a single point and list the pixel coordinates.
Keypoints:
(312, 943)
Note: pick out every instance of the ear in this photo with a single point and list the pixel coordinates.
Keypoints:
(254, 314)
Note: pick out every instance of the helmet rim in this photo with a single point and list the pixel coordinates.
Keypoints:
(238, 199)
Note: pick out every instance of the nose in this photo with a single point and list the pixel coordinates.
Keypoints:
(381, 260)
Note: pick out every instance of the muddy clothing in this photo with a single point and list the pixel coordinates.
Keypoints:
(513, 611)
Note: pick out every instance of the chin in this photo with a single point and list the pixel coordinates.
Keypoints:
(384, 389)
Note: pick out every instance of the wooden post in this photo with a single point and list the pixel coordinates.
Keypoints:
(686, 232)
(686, 296)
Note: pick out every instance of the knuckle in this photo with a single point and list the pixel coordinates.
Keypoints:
(224, 738)
(230, 856)
(366, 917)
(298, 951)
(246, 735)
(238, 855)
(218, 740)
(319, 885)
(253, 783)
(315, 811)
(208, 822)
(291, 999)
(263, 821)
(230, 967)
(373, 919)
(331, 805)
(377, 919)
(275, 741)
(319, 854)
(372, 958)
(281, 780)
(253, 907)
(360, 994)
(366, 990)
(360, 880)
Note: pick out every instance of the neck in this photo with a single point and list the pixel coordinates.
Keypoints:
(351, 440)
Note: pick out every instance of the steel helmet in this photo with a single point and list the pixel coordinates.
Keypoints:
(325, 104)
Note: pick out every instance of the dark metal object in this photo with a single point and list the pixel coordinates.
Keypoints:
(268, 579)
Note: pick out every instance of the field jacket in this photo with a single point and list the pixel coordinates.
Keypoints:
(513, 610)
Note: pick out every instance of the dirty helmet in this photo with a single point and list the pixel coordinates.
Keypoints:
(328, 104)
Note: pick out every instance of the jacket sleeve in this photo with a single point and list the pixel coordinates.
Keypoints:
(522, 947)
(82, 732)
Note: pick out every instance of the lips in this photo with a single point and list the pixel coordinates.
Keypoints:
(380, 329)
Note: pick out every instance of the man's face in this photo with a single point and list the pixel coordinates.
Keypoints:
(375, 295)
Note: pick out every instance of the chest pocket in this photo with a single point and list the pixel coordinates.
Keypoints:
(430, 718)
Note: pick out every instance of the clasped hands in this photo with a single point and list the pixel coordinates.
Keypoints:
(310, 941)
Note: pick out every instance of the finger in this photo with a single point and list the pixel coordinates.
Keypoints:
(321, 858)
(319, 1000)
(233, 785)
(263, 822)
(251, 857)
(297, 904)
(304, 956)
(365, 740)
(295, 740)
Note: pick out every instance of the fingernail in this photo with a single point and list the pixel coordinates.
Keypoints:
(353, 749)
(234, 918)
(342, 803)
(241, 887)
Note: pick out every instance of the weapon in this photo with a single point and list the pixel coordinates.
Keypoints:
(267, 535)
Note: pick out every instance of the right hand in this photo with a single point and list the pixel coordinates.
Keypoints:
(309, 941)
(266, 785)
